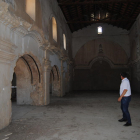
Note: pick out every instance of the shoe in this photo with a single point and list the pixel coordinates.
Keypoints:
(122, 120)
(127, 124)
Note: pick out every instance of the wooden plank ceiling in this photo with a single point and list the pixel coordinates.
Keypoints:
(82, 13)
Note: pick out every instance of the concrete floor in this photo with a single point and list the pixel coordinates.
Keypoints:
(79, 116)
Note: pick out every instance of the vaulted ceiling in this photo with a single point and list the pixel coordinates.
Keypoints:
(82, 13)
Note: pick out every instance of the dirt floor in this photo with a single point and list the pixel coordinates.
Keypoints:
(77, 116)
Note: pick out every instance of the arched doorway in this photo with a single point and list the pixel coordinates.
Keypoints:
(101, 76)
(55, 82)
(98, 64)
(14, 88)
(28, 81)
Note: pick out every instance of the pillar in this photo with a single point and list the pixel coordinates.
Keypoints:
(47, 70)
(62, 80)
(6, 57)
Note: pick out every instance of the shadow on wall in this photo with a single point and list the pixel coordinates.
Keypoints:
(135, 79)
(100, 77)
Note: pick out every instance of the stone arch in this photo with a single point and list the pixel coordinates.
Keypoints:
(111, 50)
(33, 32)
(36, 36)
(103, 77)
(55, 81)
(98, 65)
(24, 78)
(29, 80)
(101, 59)
(100, 76)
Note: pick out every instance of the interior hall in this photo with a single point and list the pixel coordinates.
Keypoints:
(60, 69)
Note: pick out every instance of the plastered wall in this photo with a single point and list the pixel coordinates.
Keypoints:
(51, 9)
(19, 9)
(114, 34)
(99, 59)
(134, 62)
(22, 38)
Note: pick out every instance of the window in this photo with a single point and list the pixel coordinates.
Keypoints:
(30, 8)
(64, 41)
(54, 29)
(99, 30)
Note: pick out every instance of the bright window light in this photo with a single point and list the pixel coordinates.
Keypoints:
(99, 30)
(54, 29)
(30, 8)
(64, 41)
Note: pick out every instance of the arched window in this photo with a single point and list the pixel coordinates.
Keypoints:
(30, 8)
(64, 41)
(54, 29)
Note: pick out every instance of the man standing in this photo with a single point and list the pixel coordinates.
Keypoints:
(125, 98)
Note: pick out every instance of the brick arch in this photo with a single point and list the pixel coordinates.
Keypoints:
(23, 78)
(29, 80)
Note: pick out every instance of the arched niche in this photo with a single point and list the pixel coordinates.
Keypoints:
(55, 81)
(54, 29)
(28, 81)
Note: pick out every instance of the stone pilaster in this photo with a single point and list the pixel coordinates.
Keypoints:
(47, 70)
(62, 80)
(6, 57)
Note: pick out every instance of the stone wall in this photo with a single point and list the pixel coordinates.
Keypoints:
(134, 62)
(14, 43)
(101, 47)
(99, 59)
(112, 33)
(99, 77)
(51, 9)
(18, 7)
(25, 49)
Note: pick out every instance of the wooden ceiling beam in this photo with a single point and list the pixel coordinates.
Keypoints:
(67, 17)
(100, 21)
(134, 9)
(79, 14)
(97, 2)
(124, 14)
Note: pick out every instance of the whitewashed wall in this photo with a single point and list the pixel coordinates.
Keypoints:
(110, 32)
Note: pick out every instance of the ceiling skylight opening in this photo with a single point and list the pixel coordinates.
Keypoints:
(100, 30)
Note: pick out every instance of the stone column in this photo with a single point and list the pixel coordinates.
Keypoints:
(47, 70)
(6, 57)
(62, 80)
(68, 77)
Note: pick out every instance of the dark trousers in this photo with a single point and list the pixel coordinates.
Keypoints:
(124, 106)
